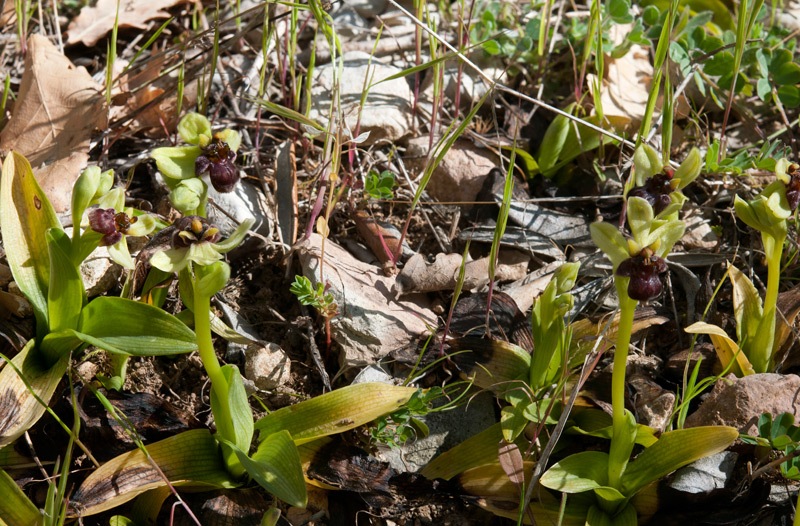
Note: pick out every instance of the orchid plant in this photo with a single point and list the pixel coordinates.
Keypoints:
(756, 344)
(207, 153)
(638, 261)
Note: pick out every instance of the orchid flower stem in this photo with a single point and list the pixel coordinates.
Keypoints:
(205, 346)
(767, 336)
(627, 308)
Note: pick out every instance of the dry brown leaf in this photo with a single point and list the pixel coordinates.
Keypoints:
(58, 108)
(93, 23)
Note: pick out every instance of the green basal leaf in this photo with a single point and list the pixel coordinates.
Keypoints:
(623, 439)
(646, 162)
(577, 473)
(640, 217)
(335, 412)
(608, 238)
(20, 408)
(189, 459)
(176, 162)
(610, 498)
(65, 295)
(689, 169)
(513, 422)
(276, 467)
(674, 450)
(475, 451)
(553, 142)
(16, 509)
(131, 327)
(193, 127)
(25, 217)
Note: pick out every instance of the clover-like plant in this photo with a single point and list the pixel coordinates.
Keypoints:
(207, 153)
(754, 350)
(637, 263)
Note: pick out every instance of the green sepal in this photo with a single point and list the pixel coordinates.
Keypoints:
(90, 185)
(689, 169)
(188, 195)
(176, 162)
(647, 163)
(609, 239)
(212, 278)
(193, 128)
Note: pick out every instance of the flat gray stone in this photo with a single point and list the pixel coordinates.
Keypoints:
(386, 114)
(707, 474)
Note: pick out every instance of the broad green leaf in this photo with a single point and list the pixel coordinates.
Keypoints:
(16, 509)
(746, 305)
(25, 217)
(275, 466)
(727, 349)
(335, 412)
(553, 142)
(787, 73)
(65, 295)
(674, 450)
(597, 517)
(789, 96)
(19, 407)
(623, 439)
(597, 423)
(513, 422)
(132, 327)
(577, 473)
(188, 459)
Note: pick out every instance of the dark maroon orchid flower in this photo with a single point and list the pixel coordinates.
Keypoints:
(112, 225)
(217, 159)
(643, 271)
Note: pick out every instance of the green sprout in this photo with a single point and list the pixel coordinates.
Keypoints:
(380, 186)
(317, 297)
(208, 153)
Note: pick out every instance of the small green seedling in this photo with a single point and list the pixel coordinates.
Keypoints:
(317, 297)
(208, 153)
(380, 186)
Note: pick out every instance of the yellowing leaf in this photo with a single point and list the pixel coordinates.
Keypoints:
(335, 412)
(188, 459)
(727, 349)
